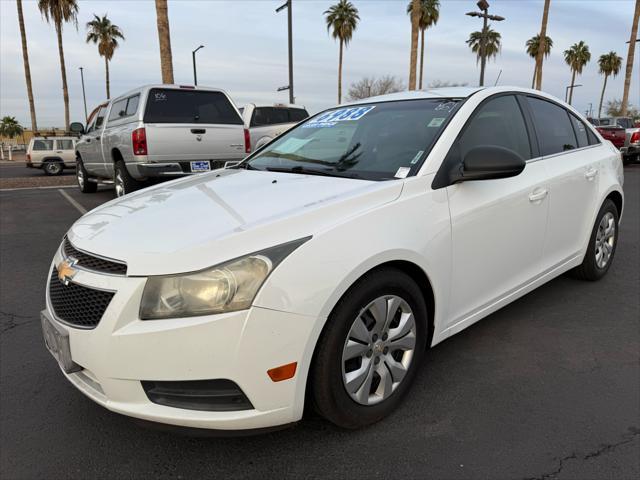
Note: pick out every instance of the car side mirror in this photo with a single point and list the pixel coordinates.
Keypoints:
(77, 128)
(487, 162)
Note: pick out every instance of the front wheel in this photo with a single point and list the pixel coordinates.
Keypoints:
(602, 244)
(123, 181)
(53, 168)
(370, 350)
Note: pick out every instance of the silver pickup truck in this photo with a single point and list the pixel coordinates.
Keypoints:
(155, 132)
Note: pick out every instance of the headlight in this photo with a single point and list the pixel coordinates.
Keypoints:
(226, 287)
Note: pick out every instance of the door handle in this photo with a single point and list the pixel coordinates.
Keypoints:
(591, 174)
(538, 195)
(97, 138)
(198, 131)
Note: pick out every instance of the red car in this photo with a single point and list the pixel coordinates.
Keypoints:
(614, 133)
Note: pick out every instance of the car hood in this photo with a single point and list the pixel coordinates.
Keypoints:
(196, 222)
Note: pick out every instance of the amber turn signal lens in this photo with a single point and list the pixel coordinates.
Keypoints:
(283, 372)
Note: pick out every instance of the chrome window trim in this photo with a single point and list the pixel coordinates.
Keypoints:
(553, 155)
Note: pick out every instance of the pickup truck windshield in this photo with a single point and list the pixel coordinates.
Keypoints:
(377, 141)
(189, 106)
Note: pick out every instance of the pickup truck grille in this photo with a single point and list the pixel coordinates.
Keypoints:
(90, 262)
(75, 304)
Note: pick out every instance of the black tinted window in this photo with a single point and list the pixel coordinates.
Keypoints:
(593, 140)
(189, 106)
(269, 116)
(555, 133)
(132, 105)
(297, 114)
(100, 118)
(581, 131)
(43, 145)
(118, 110)
(498, 122)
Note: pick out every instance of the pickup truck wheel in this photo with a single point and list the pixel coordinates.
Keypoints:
(83, 179)
(53, 167)
(123, 181)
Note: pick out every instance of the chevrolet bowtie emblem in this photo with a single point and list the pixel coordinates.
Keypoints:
(66, 271)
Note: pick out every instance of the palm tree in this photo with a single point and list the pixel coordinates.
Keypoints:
(10, 128)
(609, 64)
(164, 36)
(106, 35)
(430, 13)
(492, 47)
(533, 44)
(342, 18)
(542, 48)
(415, 30)
(27, 68)
(576, 57)
(630, 55)
(60, 12)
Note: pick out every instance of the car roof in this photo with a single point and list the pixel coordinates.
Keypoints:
(54, 137)
(445, 92)
(167, 86)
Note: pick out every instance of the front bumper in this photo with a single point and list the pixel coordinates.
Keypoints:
(122, 351)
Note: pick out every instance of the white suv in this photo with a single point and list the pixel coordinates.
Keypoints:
(324, 265)
(51, 154)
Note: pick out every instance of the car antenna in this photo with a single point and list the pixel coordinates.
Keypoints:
(500, 73)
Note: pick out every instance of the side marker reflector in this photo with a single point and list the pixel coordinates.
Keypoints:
(283, 372)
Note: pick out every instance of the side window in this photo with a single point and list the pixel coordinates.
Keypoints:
(132, 105)
(593, 140)
(43, 145)
(118, 110)
(497, 122)
(64, 144)
(553, 126)
(581, 131)
(100, 118)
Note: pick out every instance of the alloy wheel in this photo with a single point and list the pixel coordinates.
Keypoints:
(605, 240)
(119, 184)
(53, 168)
(80, 175)
(378, 350)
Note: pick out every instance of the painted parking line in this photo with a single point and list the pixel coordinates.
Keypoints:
(49, 187)
(72, 201)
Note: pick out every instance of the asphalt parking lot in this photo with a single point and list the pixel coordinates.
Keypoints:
(548, 387)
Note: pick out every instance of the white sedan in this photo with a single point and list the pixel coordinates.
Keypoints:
(324, 265)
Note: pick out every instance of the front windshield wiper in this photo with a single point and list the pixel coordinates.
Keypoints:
(245, 166)
(312, 171)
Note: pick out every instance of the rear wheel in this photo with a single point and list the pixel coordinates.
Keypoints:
(53, 167)
(123, 181)
(602, 244)
(83, 179)
(370, 350)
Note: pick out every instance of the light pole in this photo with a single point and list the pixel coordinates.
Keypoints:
(484, 6)
(288, 6)
(84, 97)
(566, 90)
(193, 57)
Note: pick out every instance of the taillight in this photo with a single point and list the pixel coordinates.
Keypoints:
(247, 141)
(635, 137)
(139, 141)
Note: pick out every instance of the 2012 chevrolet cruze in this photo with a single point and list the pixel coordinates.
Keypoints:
(322, 266)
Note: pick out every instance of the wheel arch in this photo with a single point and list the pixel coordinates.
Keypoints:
(116, 155)
(616, 197)
(52, 159)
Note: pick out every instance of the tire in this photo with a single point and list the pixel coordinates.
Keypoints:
(53, 167)
(602, 242)
(123, 181)
(82, 177)
(336, 366)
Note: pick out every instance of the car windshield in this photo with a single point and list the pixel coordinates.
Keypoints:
(378, 141)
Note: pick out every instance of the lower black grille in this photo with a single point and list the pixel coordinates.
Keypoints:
(91, 262)
(75, 304)
(209, 395)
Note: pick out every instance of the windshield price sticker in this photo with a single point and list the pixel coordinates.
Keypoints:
(436, 122)
(402, 172)
(329, 119)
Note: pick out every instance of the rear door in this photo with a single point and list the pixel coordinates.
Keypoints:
(570, 156)
(184, 125)
(65, 149)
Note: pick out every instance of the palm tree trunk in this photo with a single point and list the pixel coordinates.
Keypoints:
(63, 71)
(630, 55)
(164, 36)
(106, 69)
(421, 58)
(542, 44)
(573, 80)
(602, 95)
(340, 75)
(416, 11)
(533, 80)
(27, 68)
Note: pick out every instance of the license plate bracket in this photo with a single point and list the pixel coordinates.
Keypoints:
(56, 339)
(200, 166)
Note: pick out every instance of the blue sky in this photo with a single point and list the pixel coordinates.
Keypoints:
(246, 49)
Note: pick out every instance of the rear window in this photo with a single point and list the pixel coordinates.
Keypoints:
(64, 144)
(43, 145)
(275, 115)
(297, 114)
(189, 106)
